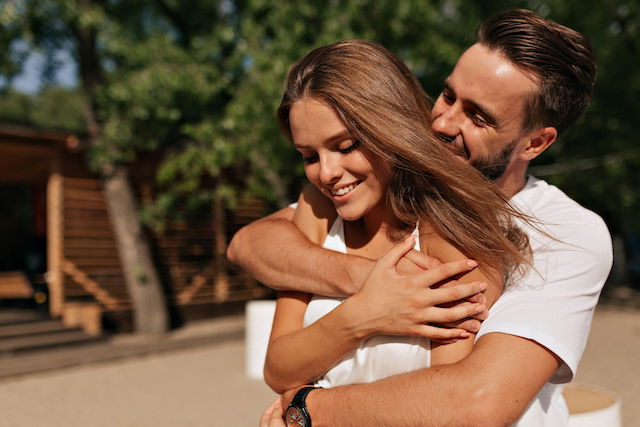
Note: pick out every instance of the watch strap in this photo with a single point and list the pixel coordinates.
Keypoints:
(299, 402)
(300, 396)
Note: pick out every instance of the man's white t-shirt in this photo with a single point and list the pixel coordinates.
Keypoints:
(553, 303)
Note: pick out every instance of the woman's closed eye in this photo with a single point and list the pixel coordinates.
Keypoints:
(346, 150)
(310, 159)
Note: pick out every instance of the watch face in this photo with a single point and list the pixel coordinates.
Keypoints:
(295, 418)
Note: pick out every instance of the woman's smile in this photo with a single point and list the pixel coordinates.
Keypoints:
(335, 162)
(342, 191)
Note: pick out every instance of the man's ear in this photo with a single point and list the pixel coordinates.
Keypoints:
(538, 141)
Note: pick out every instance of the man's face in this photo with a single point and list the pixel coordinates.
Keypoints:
(480, 112)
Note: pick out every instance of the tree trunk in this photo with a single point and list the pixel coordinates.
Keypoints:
(221, 284)
(143, 282)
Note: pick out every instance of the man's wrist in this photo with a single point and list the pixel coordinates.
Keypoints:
(314, 407)
(297, 413)
(356, 270)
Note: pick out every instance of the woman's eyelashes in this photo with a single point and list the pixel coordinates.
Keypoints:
(346, 150)
(310, 159)
(351, 147)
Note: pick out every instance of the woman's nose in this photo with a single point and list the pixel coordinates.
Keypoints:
(330, 169)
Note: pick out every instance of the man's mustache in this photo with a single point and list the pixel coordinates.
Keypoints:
(445, 138)
(449, 142)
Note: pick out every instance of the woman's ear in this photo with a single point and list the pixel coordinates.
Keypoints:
(539, 140)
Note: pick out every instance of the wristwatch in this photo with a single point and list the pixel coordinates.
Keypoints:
(297, 414)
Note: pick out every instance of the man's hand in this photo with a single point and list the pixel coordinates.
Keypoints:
(396, 304)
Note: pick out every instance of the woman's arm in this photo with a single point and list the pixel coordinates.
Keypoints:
(437, 247)
(295, 355)
(299, 355)
(389, 303)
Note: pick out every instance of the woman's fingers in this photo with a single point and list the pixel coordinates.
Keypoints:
(276, 419)
(447, 315)
(468, 324)
(422, 260)
(454, 293)
(445, 271)
(398, 250)
(479, 298)
(442, 335)
(269, 413)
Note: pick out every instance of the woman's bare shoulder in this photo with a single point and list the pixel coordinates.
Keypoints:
(314, 214)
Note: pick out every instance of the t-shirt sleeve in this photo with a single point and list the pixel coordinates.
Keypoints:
(553, 303)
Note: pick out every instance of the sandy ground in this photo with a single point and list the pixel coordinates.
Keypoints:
(207, 386)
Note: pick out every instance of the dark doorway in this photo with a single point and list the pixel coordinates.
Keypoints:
(23, 243)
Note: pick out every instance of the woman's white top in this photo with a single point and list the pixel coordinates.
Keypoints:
(377, 357)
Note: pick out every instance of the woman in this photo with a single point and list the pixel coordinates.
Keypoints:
(362, 124)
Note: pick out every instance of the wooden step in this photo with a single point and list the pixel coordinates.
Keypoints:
(31, 328)
(11, 316)
(27, 343)
(15, 284)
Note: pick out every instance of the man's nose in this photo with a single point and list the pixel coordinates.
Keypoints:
(330, 169)
(446, 122)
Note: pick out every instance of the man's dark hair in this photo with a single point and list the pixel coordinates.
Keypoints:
(561, 59)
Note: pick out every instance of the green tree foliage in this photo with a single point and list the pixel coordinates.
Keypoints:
(52, 108)
(598, 159)
(199, 81)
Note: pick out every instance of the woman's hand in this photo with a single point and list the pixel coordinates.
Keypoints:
(414, 262)
(273, 415)
(398, 304)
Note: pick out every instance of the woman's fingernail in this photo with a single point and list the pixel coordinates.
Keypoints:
(471, 263)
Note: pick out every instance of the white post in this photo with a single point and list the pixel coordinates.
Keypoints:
(259, 317)
(592, 406)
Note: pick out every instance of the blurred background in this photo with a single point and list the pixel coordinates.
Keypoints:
(156, 119)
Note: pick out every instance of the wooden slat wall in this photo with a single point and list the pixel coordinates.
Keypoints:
(91, 262)
(184, 252)
(184, 249)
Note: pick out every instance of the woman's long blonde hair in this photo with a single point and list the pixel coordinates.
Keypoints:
(384, 106)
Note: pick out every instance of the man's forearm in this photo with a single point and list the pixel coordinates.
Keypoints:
(492, 387)
(277, 254)
(419, 398)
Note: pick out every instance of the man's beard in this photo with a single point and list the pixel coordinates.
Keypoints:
(494, 166)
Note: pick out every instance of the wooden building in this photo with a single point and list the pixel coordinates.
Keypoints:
(57, 240)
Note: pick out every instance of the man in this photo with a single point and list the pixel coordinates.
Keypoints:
(509, 96)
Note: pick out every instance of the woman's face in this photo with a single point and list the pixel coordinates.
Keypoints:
(343, 170)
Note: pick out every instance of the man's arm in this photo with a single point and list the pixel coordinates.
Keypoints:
(490, 387)
(277, 254)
